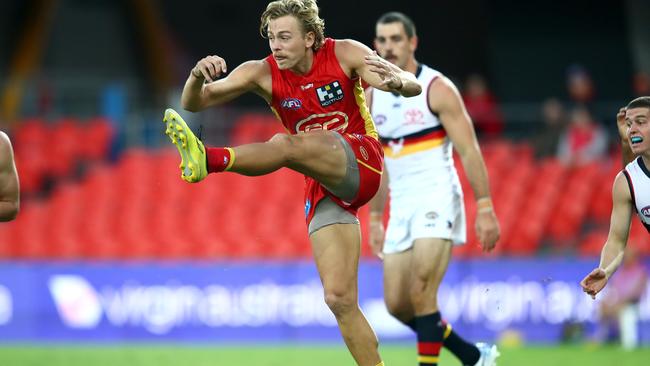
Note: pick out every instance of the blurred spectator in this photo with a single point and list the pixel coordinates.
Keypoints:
(580, 86)
(482, 107)
(619, 309)
(641, 84)
(546, 141)
(583, 141)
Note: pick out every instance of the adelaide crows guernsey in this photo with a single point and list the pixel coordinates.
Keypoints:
(638, 179)
(418, 153)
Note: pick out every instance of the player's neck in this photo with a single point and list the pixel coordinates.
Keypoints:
(304, 66)
(646, 158)
(412, 65)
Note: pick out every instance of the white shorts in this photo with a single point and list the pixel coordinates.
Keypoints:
(438, 216)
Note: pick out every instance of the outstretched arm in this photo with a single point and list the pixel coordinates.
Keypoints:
(360, 60)
(612, 253)
(204, 89)
(9, 187)
(445, 99)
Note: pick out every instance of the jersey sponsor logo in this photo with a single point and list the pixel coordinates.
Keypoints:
(329, 94)
(431, 215)
(380, 119)
(413, 117)
(646, 211)
(332, 121)
(307, 86)
(291, 103)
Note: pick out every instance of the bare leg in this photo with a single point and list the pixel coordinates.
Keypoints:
(336, 251)
(319, 155)
(397, 281)
(430, 261)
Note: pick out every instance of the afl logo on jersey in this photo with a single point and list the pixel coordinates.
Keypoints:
(646, 212)
(291, 103)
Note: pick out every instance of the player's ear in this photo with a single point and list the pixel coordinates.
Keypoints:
(310, 39)
(414, 43)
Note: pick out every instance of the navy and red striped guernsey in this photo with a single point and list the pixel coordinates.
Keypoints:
(324, 98)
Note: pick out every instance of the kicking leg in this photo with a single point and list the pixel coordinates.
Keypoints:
(336, 252)
(319, 154)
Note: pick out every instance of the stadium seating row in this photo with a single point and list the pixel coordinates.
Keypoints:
(53, 151)
(140, 209)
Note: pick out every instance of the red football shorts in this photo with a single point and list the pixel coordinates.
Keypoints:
(369, 156)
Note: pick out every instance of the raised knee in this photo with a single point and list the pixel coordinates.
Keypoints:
(339, 302)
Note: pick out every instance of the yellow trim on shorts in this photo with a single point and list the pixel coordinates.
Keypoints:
(369, 167)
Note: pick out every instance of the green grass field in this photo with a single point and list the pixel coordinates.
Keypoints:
(162, 355)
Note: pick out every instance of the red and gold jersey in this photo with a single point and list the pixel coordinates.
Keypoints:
(327, 99)
(323, 99)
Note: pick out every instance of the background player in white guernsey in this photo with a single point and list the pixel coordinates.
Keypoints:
(631, 192)
(426, 212)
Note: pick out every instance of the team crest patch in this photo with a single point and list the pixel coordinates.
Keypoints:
(364, 153)
(330, 93)
(291, 103)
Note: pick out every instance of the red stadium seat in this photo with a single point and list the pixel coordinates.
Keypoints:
(63, 147)
(97, 137)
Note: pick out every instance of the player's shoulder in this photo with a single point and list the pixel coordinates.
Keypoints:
(621, 186)
(256, 66)
(350, 48)
(441, 86)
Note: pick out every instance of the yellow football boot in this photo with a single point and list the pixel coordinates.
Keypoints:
(193, 161)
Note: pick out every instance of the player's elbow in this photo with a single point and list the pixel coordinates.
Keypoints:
(190, 105)
(412, 91)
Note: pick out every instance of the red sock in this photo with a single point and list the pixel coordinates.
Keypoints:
(219, 159)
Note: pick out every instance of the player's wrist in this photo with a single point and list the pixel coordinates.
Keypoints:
(196, 73)
(484, 205)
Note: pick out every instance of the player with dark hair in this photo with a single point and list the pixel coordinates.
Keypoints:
(631, 193)
(427, 216)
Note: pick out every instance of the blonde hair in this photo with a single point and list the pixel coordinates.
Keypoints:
(306, 11)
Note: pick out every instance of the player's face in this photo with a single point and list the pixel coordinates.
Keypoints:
(393, 44)
(638, 129)
(288, 43)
